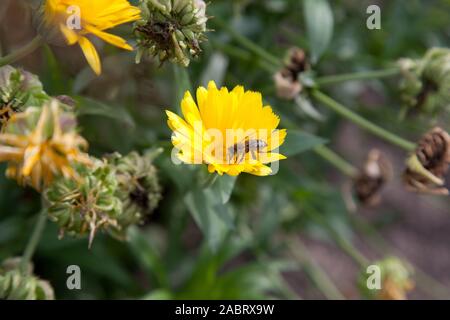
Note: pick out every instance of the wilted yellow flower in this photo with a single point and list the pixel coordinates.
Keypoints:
(94, 17)
(231, 131)
(41, 143)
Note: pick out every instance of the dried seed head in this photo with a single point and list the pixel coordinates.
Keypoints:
(85, 206)
(286, 88)
(425, 85)
(14, 285)
(373, 176)
(171, 29)
(287, 79)
(428, 166)
(138, 187)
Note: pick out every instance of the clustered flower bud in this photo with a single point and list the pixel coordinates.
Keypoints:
(171, 30)
(287, 80)
(395, 279)
(372, 177)
(138, 187)
(425, 86)
(14, 285)
(428, 166)
(18, 90)
(86, 205)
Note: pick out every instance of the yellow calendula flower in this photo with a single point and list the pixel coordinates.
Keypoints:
(78, 18)
(230, 131)
(40, 144)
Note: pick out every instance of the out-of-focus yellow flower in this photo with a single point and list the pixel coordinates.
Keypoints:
(95, 16)
(231, 131)
(41, 143)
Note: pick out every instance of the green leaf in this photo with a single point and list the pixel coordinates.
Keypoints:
(54, 80)
(83, 79)
(147, 256)
(319, 26)
(88, 106)
(298, 141)
(209, 214)
(223, 187)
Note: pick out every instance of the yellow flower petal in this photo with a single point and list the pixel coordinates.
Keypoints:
(261, 171)
(91, 54)
(110, 38)
(31, 157)
(270, 157)
(96, 17)
(70, 35)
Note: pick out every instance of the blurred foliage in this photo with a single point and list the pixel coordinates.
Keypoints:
(194, 246)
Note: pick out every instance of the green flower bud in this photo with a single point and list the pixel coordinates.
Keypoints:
(425, 86)
(17, 286)
(171, 29)
(395, 279)
(19, 89)
(85, 205)
(138, 187)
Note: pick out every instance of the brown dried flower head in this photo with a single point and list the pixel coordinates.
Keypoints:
(287, 79)
(377, 170)
(428, 166)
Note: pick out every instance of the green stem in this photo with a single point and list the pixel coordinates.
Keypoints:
(313, 269)
(34, 240)
(340, 163)
(348, 248)
(282, 285)
(243, 55)
(362, 122)
(339, 108)
(365, 75)
(22, 52)
(248, 44)
(345, 245)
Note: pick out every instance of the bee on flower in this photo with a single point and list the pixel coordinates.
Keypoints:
(41, 143)
(230, 131)
(74, 20)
